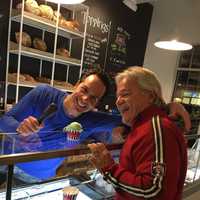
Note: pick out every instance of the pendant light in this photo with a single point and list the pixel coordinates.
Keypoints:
(67, 1)
(173, 45)
(173, 39)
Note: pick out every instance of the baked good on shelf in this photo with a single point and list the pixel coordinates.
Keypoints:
(63, 84)
(71, 24)
(29, 78)
(32, 7)
(76, 25)
(46, 11)
(26, 39)
(12, 77)
(43, 80)
(39, 44)
(63, 52)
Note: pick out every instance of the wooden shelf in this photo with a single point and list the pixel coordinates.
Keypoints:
(34, 53)
(45, 24)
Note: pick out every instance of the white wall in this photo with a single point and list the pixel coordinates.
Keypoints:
(180, 16)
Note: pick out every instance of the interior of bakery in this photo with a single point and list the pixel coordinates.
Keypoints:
(56, 43)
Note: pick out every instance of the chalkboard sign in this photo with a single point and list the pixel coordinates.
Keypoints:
(116, 38)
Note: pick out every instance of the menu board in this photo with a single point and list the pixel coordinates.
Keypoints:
(117, 53)
(97, 40)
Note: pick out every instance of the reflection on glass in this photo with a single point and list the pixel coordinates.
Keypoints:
(186, 100)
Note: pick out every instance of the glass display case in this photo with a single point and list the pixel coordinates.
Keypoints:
(75, 170)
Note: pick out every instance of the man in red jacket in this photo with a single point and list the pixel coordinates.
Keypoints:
(153, 159)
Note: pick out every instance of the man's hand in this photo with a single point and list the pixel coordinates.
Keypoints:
(118, 134)
(178, 110)
(28, 126)
(101, 157)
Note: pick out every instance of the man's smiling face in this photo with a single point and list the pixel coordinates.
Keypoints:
(131, 100)
(86, 96)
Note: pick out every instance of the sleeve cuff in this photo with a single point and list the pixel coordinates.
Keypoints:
(108, 167)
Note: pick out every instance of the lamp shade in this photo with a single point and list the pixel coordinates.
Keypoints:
(173, 45)
(67, 1)
(132, 4)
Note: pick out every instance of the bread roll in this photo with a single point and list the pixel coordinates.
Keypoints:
(12, 77)
(32, 7)
(72, 24)
(43, 79)
(46, 12)
(29, 78)
(66, 24)
(39, 44)
(63, 52)
(26, 39)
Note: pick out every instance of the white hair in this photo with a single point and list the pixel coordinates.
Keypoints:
(146, 79)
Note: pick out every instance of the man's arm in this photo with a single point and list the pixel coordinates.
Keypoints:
(147, 179)
(22, 110)
(177, 110)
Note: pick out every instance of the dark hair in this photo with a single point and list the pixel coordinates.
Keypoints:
(101, 75)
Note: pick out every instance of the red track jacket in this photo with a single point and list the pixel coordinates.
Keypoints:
(153, 160)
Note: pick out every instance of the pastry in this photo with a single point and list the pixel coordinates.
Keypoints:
(12, 77)
(26, 39)
(29, 78)
(46, 11)
(71, 24)
(43, 79)
(63, 52)
(32, 7)
(39, 44)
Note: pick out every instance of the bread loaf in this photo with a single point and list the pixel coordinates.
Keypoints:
(32, 7)
(29, 78)
(63, 52)
(39, 44)
(43, 79)
(46, 12)
(26, 39)
(71, 24)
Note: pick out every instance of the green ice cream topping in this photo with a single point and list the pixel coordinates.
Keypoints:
(74, 126)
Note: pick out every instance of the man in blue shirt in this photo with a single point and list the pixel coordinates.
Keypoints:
(33, 136)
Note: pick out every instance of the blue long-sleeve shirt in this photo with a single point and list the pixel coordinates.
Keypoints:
(51, 137)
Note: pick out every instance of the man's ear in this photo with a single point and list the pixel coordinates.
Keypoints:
(152, 97)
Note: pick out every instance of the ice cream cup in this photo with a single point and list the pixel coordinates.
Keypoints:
(70, 193)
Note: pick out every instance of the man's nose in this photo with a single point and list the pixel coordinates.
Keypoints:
(85, 97)
(118, 101)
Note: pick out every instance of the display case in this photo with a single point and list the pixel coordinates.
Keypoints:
(16, 149)
(42, 47)
(89, 181)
